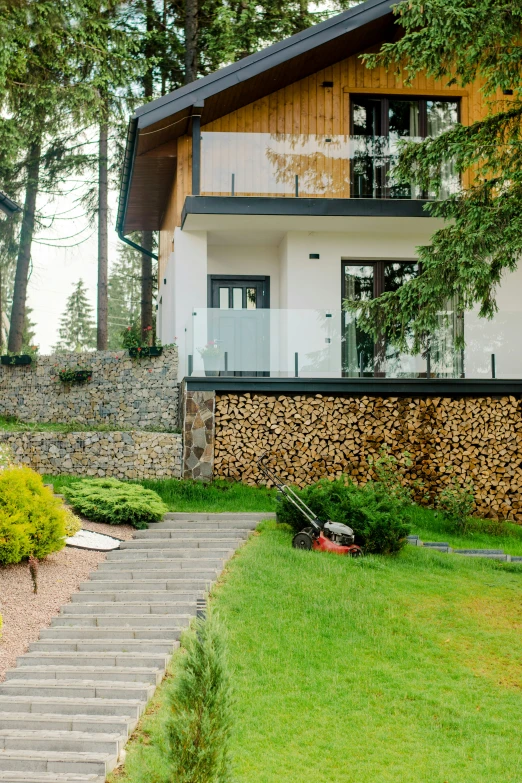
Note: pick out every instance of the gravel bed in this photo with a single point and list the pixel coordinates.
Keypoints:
(59, 576)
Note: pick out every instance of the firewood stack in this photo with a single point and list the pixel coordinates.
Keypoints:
(310, 437)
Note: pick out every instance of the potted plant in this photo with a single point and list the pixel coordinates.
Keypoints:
(138, 349)
(211, 354)
(25, 357)
(70, 375)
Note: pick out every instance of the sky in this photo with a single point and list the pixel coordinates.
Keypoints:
(57, 269)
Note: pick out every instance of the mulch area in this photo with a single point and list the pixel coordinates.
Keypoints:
(59, 576)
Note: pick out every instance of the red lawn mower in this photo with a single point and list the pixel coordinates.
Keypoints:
(322, 536)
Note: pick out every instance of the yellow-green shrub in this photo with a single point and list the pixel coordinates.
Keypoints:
(72, 523)
(32, 519)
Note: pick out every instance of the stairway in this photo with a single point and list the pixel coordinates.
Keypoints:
(67, 708)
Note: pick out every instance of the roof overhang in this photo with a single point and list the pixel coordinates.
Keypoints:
(150, 157)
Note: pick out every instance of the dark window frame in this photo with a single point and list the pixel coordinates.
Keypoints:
(265, 279)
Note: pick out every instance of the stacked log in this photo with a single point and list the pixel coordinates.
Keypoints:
(309, 437)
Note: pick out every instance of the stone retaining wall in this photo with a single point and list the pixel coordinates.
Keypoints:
(124, 392)
(122, 455)
(312, 436)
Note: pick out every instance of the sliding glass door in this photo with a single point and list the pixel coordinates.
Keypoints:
(362, 356)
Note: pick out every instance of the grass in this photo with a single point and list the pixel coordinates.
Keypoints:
(196, 496)
(397, 670)
(12, 424)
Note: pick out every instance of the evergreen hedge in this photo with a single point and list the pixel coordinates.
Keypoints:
(115, 502)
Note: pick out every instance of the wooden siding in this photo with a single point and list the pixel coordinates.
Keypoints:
(306, 107)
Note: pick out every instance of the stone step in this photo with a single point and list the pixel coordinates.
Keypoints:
(117, 597)
(146, 631)
(436, 544)
(104, 645)
(153, 572)
(48, 777)
(99, 660)
(78, 689)
(489, 556)
(181, 565)
(222, 516)
(175, 534)
(516, 559)
(61, 741)
(182, 543)
(143, 585)
(479, 551)
(121, 708)
(97, 673)
(48, 761)
(54, 722)
(118, 555)
(117, 621)
(183, 611)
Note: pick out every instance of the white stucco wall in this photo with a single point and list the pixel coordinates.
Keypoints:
(305, 294)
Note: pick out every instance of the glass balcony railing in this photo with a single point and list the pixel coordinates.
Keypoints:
(298, 165)
(327, 344)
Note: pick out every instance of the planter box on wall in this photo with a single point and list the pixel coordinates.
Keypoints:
(153, 350)
(16, 361)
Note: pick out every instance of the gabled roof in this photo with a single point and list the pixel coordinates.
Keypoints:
(8, 206)
(150, 161)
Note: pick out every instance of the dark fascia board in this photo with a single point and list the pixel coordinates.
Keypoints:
(310, 207)
(126, 173)
(8, 206)
(262, 61)
(356, 387)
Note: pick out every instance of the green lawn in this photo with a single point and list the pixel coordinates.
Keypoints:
(383, 670)
(197, 496)
(12, 424)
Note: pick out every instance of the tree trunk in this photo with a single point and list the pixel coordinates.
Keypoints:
(191, 41)
(146, 289)
(16, 329)
(103, 255)
(1, 315)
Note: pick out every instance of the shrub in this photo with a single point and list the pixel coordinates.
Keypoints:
(115, 502)
(199, 725)
(32, 519)
(456, 502)
(72, 523)
(378, 519)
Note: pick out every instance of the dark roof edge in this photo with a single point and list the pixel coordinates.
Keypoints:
(126, 176)
(263, 60)
(310, 207)
(8, 206)
(375, 387)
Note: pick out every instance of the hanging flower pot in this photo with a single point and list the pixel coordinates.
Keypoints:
(139, 352)
(79, 375)
(16, 361)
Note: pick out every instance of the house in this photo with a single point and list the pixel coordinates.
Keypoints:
(269, 183)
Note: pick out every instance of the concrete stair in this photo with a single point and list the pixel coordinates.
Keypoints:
(70, 704)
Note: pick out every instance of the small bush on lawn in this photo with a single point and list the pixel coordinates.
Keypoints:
(379, 520)
(32, 520)
(115, 502)
(198, 728)
(456, 502)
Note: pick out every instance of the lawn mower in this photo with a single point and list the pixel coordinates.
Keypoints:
(322, 536)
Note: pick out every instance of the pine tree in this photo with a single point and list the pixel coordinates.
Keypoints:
(124, 293)
(459, 42)
(77, 330)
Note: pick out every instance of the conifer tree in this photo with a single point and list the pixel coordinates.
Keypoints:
(77, 330)
(124, 293)
(459, 42)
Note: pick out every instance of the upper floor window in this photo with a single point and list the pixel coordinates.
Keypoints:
(377, 124)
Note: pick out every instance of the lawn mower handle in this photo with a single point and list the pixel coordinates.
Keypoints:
(290, 495)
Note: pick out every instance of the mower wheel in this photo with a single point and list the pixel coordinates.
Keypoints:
(302, 540)
(356, 553)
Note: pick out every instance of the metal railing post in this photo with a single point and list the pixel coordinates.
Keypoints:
(296, 365)
(190, 365)
(226, 361)
(428, 364)
(493, 366)
(361, 365)
(233, 185)
(297, 185)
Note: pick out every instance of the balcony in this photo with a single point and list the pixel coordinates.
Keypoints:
(327, 344)
(308, 166)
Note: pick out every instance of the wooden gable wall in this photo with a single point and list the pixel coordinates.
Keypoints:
(306, 107)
